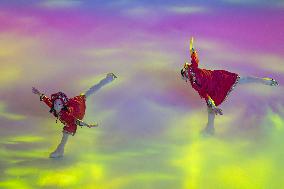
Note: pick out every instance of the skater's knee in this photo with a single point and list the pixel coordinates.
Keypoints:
(210, 111)
(250, 79)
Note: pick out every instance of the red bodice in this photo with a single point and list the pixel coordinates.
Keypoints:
(210, 83)
(76, 108)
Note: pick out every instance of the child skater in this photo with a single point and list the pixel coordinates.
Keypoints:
(70, 111)
(215, 85)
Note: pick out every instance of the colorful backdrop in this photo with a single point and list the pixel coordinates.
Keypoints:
(149, 119)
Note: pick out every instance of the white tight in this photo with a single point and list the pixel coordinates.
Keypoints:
(98, 86)
(211, 117)
(250, 79)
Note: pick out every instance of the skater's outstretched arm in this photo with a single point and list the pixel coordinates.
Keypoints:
(193, 54)
(191, 49)
(42, 97)
(109, 78)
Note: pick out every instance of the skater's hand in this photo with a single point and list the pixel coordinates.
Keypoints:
(191, 49)
(35, 91)
(111, 76)
(93, 125)
(217, 110)
(82, 123)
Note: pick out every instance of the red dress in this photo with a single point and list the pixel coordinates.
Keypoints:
(76, 108)
(216, 84)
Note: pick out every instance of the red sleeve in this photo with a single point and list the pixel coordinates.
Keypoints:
(194, 59)
(203, 82)
(46, 100)
(202, 92)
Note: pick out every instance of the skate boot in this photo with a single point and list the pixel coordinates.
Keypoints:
(274, 82)
(270, 81)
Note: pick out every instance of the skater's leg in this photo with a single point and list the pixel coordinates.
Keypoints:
(109, 78)
(250, 79)
(209, 129)
(60, 148)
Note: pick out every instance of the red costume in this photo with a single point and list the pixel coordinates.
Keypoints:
(216, 84)
(74, 109)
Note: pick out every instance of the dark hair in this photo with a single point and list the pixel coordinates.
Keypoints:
(182, 71)
(52, 110)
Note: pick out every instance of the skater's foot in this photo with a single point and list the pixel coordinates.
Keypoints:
(271, 82)
(111, 76)
(56, 154)
(208, 131)
(60, 148)
(93, 125)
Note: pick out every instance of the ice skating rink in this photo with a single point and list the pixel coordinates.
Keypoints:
(149, 119)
